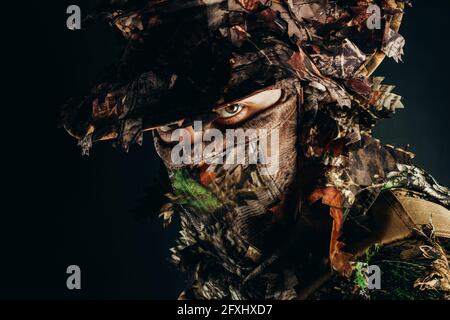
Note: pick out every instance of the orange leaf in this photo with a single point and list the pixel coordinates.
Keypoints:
(340, 260)
(206, 177)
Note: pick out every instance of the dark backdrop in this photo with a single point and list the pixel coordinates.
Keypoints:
(59, 208)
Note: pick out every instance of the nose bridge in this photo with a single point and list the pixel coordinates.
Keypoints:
(197, 130)
(191, 133)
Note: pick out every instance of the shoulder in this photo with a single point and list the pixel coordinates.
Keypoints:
(406, 239)
(414, 262)
(414, 268)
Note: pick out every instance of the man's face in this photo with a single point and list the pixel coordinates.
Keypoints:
(234, 184)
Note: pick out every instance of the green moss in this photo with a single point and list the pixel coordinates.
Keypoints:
(359, 276)
(371, 252)
(396, 181)
(193, 194)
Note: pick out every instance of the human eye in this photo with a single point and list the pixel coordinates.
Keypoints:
(242, 110)
(230, 111)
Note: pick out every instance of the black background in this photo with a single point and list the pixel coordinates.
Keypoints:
(59, 208)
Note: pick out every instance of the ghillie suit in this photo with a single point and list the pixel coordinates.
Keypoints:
(340, 200)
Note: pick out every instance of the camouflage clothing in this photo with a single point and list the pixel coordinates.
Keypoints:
(411, 269)
(301, 232)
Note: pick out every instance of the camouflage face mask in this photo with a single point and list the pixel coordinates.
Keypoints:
(242, 193)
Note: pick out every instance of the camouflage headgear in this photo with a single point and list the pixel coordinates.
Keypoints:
(184, 57)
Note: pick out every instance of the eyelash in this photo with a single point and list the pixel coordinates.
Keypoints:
(234, 119)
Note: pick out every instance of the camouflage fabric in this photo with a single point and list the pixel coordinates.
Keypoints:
(411, 269)
(223, 267)
(246, 235)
